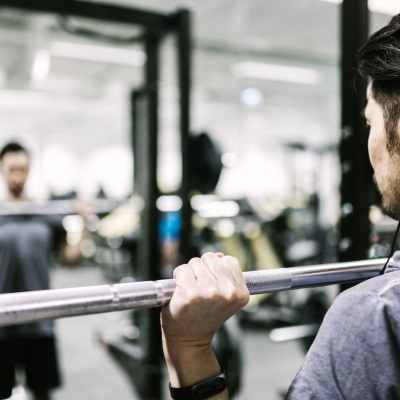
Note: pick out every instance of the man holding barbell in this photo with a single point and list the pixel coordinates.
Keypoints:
(356, 354)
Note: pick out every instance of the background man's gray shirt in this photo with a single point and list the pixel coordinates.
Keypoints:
(25, 244)
(356, 354)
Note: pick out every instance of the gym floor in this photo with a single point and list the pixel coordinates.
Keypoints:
(90, 374)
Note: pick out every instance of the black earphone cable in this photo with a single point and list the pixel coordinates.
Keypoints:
(383, 270)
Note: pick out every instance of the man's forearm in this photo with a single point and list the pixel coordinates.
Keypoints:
(191, 366)
(209, 290)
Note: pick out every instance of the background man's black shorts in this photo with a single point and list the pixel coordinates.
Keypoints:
(37, 358)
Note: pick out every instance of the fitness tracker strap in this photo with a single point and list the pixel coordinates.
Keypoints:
(202, 390)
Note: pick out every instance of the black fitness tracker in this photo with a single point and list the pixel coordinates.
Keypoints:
(202, 390)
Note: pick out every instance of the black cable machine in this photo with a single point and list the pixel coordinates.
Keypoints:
(356, 181)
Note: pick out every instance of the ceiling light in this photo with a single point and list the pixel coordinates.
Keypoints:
(390, 7)
(251, 97)
(100, 54)
(229, 160)
(275, 72)
(169, 203)
(219, 209)
(41, 65)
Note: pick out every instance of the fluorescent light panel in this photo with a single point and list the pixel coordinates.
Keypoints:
(276, 72)
(390, 7)
(100, 54)
(41, 65)
(251, 97)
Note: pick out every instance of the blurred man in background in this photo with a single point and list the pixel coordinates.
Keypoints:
(25, 245)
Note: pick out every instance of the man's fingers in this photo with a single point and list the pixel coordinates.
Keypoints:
(203, 276)
(185, 278)
(213, 276)
(211, 262)
(223, 268)
(230, 279)
(232, 264)
(208, 283)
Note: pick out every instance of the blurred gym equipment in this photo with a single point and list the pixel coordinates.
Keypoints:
(205, 165)
(52, 208)
(356, 173)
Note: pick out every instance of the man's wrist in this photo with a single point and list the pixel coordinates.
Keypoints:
(210, 388)
(188, 365)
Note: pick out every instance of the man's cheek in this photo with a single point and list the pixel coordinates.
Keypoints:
(371, 151)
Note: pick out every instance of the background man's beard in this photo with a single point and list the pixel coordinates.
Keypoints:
(16, 191)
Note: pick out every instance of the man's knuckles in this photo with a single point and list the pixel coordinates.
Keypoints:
(231, 262)
(179, 271)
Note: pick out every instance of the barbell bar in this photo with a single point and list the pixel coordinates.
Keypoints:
(51, 208)
(24, 307)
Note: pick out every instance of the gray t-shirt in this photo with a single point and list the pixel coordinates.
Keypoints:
(25, 265)
(356, 354)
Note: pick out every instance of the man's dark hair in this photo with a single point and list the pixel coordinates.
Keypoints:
(379, 62)
(12, 147)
